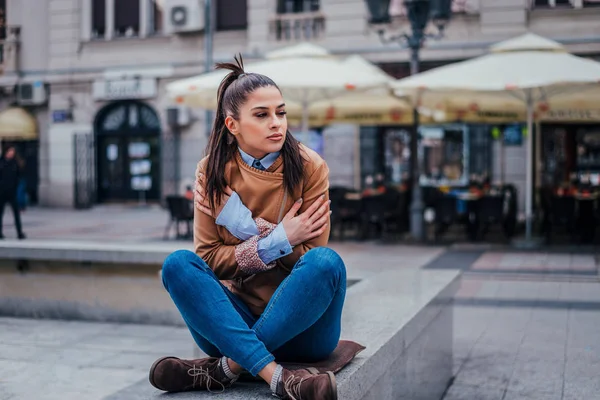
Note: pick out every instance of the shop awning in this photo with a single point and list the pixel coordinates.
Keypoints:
(17, 124)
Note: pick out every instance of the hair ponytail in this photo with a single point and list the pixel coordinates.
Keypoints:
(233, 92)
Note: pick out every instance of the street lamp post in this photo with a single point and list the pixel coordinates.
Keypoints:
(420, 13)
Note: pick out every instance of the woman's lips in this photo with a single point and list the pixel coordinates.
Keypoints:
(277, 137)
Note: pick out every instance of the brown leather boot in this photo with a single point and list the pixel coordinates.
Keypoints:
(172, 374)
(307, 384)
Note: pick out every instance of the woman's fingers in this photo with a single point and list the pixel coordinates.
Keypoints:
(320, 212)
(294, 210)
(318, 224)
(204, 209)
(314, 206)
(318, 232)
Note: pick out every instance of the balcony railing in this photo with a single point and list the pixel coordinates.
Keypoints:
(398, 9)
(562, 4)
(9, 48)
(298, 26)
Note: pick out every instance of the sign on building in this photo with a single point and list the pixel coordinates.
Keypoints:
(124, 89)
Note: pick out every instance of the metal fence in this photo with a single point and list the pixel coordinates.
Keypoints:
(84, 170)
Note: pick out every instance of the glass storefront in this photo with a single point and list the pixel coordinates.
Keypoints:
(451, 154)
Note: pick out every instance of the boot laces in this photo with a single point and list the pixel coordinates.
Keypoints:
(199, 373)
(292, 385)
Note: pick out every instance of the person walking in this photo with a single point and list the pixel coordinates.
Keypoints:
(10, 173)
(261, 287)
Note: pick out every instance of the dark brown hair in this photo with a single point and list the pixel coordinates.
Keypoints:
(233, 92)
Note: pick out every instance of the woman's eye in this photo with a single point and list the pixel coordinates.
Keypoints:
(282, 113)
(261, 115)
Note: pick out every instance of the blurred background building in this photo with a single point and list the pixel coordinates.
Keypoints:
(82, 85)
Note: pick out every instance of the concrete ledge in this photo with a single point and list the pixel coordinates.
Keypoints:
(75, 251)
(404, 317)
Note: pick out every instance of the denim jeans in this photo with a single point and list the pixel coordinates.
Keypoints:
(302, 321)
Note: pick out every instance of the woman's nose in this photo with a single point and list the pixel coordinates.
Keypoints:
(275, 122)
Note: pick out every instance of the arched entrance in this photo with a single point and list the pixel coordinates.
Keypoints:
(128, 152)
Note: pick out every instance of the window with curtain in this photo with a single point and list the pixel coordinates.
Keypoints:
(231, 15)
(127, 18)
(297, 6)
(98, 18)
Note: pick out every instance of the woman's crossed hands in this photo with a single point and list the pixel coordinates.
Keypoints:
(308, 225)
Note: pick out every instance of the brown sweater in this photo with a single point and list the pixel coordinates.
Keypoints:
(264, 195)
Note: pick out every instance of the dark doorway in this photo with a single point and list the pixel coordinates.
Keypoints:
(128, 158)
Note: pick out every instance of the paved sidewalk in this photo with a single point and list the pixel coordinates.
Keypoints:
(526, 328)
(103, 223)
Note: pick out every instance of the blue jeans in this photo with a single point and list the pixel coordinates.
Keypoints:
(301, 322)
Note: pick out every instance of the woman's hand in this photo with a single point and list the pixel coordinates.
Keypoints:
(202, 203)
(308, 225)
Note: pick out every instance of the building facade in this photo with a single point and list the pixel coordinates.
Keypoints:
(92, 75)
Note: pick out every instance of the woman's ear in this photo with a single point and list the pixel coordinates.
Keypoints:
(232, 125)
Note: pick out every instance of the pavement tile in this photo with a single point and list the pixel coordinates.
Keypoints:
(537, 376)
(490, 369)
(134, 361)
(581, 380)
(461, 391)
(111, 342)
(529, 395)
(76, 357)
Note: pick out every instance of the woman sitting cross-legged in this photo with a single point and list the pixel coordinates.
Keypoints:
(261, 287)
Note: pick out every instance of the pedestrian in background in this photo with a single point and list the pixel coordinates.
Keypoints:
(10, 173)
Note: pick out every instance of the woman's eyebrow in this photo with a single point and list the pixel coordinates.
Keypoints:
(266, 108)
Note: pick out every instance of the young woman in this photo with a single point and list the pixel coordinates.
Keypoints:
(260, 287)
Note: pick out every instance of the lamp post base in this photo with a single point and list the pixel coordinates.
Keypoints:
(417, 229)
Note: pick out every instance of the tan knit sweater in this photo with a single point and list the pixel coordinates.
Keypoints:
(264, 195)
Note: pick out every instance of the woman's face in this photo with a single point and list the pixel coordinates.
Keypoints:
(262, 123)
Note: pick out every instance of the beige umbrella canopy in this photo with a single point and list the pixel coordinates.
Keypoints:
(490, 108)
(372, 107)
(305, 73)
(529, 68)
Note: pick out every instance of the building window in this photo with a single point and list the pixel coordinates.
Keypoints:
(445, 151)
(231, 15)
(298, 20)
(98, 18)
(552, 3)
(156, 16)
(297, 6)
(127, 18)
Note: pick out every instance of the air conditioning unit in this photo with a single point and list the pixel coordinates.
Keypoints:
(184, 16)
(32, 94)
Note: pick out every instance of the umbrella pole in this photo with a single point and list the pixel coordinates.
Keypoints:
(529, 169)
(502, 159)
(305, 118)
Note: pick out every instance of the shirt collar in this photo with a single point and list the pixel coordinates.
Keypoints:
(266, 161)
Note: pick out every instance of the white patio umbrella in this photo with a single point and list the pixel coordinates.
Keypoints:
(529, 68)
(371, 107)
(305, 73)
